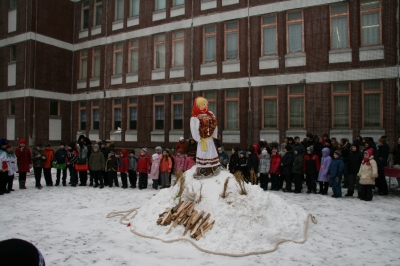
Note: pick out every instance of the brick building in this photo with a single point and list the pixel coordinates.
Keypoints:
(269, 68)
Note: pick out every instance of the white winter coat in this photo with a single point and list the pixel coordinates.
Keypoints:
(368, 173)
(12, 165)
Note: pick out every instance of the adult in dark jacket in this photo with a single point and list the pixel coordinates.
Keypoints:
(105, 152)
(38, 159)
(88, 145)
(23, 154)
(242, 164)
(335, 172)
(345, 150)
(233, 160)
(252, 162)
(72, 156)
(97, 166)
(381, 156)
(311, 167)
(353, 167)
(318, 146)
(396, 153)
(297, 143)
(328, 144)
(297, 170)
(286, 168)
(60, 157)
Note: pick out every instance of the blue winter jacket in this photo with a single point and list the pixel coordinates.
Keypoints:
(60, 155)
(336, 167)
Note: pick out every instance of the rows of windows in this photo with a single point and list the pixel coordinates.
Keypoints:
(296, 107)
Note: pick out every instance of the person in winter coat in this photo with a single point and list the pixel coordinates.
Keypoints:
(23, 154)
(179, 161)
(12, 168)
(286, 168)
(353, 166)
(171, 156)
(155, 170)
(88, 146)
(72, 156)
(143, 167)
(368, 173)
(104, 150)
(381, 156)
(311, 167)
(252, 163)
(165, 169)
(192, 147)
(182, 144)
(233, 160)
(336, 172)
(123, 168)
(297, 143)
(3, 165)
(132, 169)
(323, 175)
(111, 169)
(82, 159)
(60, 157)
(97, 165)
(275, 170)
(345, 150)
(328, 144)
(396, 153)
(242, 164)
(223, 157)
(297, 170)
(318, 146)
(38, 159)
(189, 160)
(263, 169)
(49, 152)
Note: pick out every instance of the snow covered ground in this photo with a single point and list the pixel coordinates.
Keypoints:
(70, 227)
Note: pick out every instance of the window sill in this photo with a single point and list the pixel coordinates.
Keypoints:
(158, 74)
(95, 30)
(296, 132)
(157, 135)
(116, 79)
(177, 72)
(372, 53)
(271, 135)
(131, 135)
(295, 59)
(229, 2)
(133, 21)
(132, 77)
(116, 25)
(340, 55)
(231, 136)
(12, 63)
(159, 14)
(208, 4)
(55, 117)
(178, 10)
(175, 134)
(208, 69)
(94, 82)
(81, 84)
(231, 66)
(83, 33)
(268, 62)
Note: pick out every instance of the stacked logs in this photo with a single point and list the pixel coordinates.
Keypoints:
(185, 214)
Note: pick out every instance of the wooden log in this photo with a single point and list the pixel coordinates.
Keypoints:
(205, 231)
(196, 219)
(172, 226)
(205, 220)
(189, 222)
(174, 209)
(165, 217)
(196, 227)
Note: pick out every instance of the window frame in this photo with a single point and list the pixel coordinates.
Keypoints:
(205, 35)
(302, 30)
(380, 92)
(154, 111)
(211, 100)
(226, 32)
(94, 56)
(342, 93)
(268, 97)
(93, 107)
(269, 25)
(331, 16)
(58, 107)
(81, 108)
(231, 99)
(81, 58)
(131, 8)
(11, 107)
(297, 95)
(96, 4)
(115, 106)
(131, 48)
(371, 10)
(11, 4)
(156, 43)
(155, 6)
(115, 51)
(176, 102)
(174, 41)
(12, 49)
(116, 10)
(174, 3)
(130, 105)
(83, 8)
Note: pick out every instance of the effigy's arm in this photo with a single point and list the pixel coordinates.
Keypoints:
(194, 128)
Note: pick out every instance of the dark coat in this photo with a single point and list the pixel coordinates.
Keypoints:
(381, 156)
(336, 168)
(311, 164)
(38, 161)
(242, 165)
(354, 162)
(233, 161)
(297, 164)
(23, 159)
(287, 163)
(252, 163)
(112, 164)
(60, 155)
(396, 154)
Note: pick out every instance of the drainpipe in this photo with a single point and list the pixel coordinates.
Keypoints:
(398, 71)
(104, 75)
(191, 56)
(72, 76)
(249, 116)
(34, 81)
(26, 37)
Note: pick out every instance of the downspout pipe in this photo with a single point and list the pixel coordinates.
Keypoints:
(398, 70)
(249, 112)
(191, 55)
(104, 75)
(72, 77)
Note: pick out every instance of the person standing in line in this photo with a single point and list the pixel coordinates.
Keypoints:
(323, 175)
(12, 168)
(72, 156)
(38, 159)
(242, 165)
(336, 172)
(143, 167)
(48, 151)
(104, 150)
(381, 156)
(82, 159)
(60, 157)
(263, 169)
(23, 154)
(368, 173)
(353, 166)
(223, 157)
(311, 167)
(192, 147)
(233, 160)
(345, 150)
(297, 170)
(97, 165)
(286, 168)
(396, 158)
(170, 155)
(179, 161)
(155, 170)
(189, 160)
(132, 169)
(275, 170)
(252, 163)
(88, 145)
(123, 168)
(3, 165)
(165, 169)
(112, 168)
(182, 144)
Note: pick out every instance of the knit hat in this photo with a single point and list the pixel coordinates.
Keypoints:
(95, 146)
(370, 152)
(154, 156)
(181, 138)
(356, 144)
(22, 141)
(158, 148)
(311, 149)
(264, 152)
(288, 147)
(62, 143)
(235, 149)
(144, 150)
(132, 151)
(3, 142)
(39, 145)
(338, 153)
(72, 144)
(47, 144)
(298, 149)
(243, 152)
(112, 152)
(180, 151)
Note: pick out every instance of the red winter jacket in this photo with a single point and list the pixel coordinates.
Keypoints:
(275, 164)
(23, 159)
(143, 164)
(124, 163)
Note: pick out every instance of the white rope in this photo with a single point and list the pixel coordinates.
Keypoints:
(127, 216)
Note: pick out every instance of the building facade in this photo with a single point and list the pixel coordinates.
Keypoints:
(129, 70)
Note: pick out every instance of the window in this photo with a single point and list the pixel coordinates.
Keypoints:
(339, 26)
(84, 64)
(13, 4)
(85, 15)
(159, 112)
(117, 113)
(177, 111)
(82, 115)
(119, 9)
(296, 106)
(232, 109)
(54, 108)
(159, 48)
(11, 107)
(370, 22)
(98, 12)
(13, 53)
(295, 32)
(96, 62)
(232, 40)
(132, 111)
(95, 115)
(341, 105)
(134, 56)
(160, 4)
(134, 8)
(118, 58)
(211, 97)
(270, 107)
(269, 35)
(178, 48)
(209, 47)
(178, 2)
(372, 103)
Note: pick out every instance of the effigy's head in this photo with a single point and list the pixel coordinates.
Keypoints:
(200, 106)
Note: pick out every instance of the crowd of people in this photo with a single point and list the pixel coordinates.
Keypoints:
(357, 166)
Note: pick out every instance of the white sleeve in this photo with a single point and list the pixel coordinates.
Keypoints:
(194, 128)
(215, 134)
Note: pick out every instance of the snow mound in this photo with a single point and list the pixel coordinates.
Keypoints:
(254, 222)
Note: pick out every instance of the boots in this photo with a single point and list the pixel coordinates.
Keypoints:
(57, 182)
(22, 184)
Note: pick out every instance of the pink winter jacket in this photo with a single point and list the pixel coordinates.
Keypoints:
(155, 169)
(189, 162)
(179, 163)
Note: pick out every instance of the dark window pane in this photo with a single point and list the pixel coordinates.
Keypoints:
(12, 107)
(85, 23)
(132, 124)
(53, 107)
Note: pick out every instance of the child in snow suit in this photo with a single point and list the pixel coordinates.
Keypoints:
(165, 169)
(123, 168)
(368, 173)
(179, 161)
(155, 170)
(111, 169)
(233, 160)
(38, 159)
(297, 170)
(286, 168)
(311, 168)
(132, 169)
(60, 158)
(353, 166)
(323, 175)
(48, 151)
(143, 167)
(97, 165)
(12, 168)
(275, 170)
(263, 169)
(23, 154)
(189, 161)
(336, 172)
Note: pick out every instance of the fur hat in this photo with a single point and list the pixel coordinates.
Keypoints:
(338, 153)
(144, 150)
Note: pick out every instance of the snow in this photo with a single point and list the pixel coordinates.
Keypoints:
(70, 227)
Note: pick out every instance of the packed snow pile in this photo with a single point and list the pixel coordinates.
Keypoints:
(255, 222)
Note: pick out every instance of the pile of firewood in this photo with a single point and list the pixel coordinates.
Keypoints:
(185, 214)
